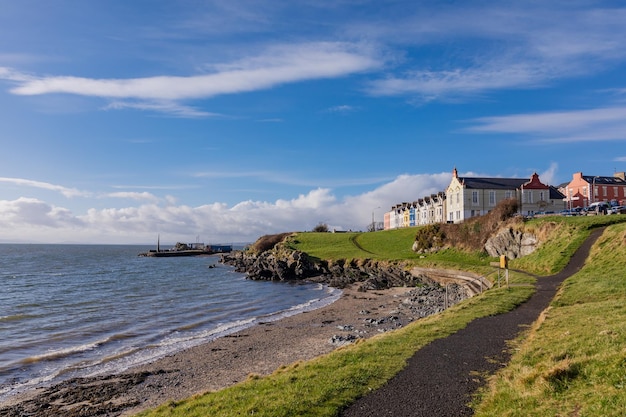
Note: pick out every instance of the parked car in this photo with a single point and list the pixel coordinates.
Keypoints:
(617, 210)
(599, 207)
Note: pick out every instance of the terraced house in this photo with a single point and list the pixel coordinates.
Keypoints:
(468, 197)
(427, 210)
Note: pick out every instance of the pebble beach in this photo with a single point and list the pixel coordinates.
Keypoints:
(258, 350)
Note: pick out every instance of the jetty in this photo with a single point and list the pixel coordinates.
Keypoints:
(187, 249)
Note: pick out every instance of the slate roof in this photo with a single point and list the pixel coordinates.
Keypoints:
(555, 194)
(493, 183)
(604, 180)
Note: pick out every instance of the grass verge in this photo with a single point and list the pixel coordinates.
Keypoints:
(573, 361)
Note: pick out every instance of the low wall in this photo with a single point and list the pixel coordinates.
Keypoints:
(474, 283)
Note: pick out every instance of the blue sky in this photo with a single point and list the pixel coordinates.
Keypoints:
(227, 120)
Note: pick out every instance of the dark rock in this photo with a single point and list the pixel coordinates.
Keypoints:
(282, 265)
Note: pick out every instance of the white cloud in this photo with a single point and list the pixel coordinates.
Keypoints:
(344, 108)
(549, 176)
(36, 221)
(146, 196)
(602, 124)
(499, 46)
(33, 213)
(280, 65)
(433, 85)
(67, 192)
(169, 107)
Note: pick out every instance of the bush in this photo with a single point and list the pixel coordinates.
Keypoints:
(268, 242)
(321, 228)
(470, 235)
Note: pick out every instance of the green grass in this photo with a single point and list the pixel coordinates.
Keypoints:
(573, 362)
(561, 237)
(390, 245)
(580, 344)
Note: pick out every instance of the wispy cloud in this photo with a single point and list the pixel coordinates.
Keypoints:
(139, 196)
(67, 192)
(170, 107)
(521, 47)
(602, 124)
(279, 65)
(344, 108)
(432, 85)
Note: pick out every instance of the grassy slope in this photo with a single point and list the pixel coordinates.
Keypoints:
(573, 362)
(323, 386)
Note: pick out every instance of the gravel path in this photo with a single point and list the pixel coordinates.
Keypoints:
(441, 378)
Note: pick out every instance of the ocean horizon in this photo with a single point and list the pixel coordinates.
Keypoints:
(84, 310)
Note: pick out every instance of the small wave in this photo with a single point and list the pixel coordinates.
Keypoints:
(73, 350)
(59, 353)
(17, 317)
(210, 334)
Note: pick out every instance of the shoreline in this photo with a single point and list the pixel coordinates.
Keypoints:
(258, 350)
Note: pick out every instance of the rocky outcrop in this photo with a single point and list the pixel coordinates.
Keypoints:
(512, 242)
(273, 265)
(285, 265)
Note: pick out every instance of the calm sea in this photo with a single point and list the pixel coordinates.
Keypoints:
(73, 310)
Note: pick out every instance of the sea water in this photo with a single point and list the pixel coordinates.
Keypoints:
(83, 310)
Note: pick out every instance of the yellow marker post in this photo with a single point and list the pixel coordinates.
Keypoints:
(504, 264)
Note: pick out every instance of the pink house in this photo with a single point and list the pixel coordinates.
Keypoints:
(583, 190)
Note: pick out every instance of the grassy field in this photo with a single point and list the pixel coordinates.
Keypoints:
(572, 363)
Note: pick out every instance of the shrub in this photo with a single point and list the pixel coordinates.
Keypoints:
(268, 242)
(321, 228)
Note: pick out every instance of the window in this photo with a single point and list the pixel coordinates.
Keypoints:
(604, 190)
(508, 194)
(542, 196)
(475, 198)
(492, 198)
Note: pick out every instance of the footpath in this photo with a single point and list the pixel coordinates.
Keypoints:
(440, 379)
